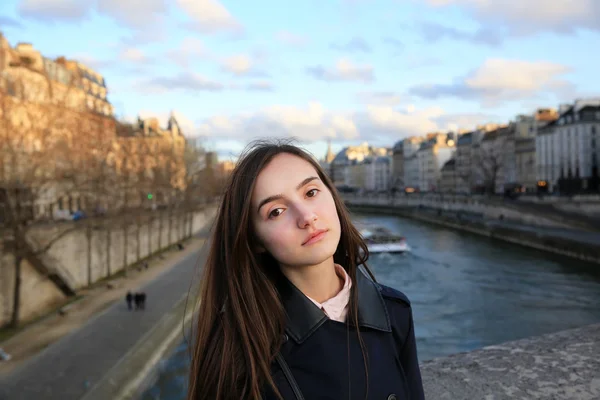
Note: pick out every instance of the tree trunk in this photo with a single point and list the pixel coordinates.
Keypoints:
(160, 229)
(88, 234)
(125, 249)
(181, 226)
(149, 233)
(170, 233)
(138, 250)
(108, 248)
(16, 310)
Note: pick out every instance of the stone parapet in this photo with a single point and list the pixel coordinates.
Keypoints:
(559, 366)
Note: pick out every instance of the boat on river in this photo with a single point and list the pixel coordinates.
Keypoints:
(382, 240)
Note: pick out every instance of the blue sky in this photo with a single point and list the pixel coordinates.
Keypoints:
(348, 70)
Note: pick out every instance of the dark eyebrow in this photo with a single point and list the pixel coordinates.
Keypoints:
(279, 196)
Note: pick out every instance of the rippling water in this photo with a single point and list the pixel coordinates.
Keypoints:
(467, 292)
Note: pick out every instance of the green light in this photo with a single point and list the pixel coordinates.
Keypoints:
(150, 196)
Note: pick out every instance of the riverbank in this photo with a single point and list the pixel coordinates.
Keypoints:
(562, 366)
(571, 243)
(89, 354)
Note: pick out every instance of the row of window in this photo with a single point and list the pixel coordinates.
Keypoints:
(57, 72)
(588, 115)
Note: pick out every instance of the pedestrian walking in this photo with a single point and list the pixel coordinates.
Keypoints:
(287, 289)
(136, 299)
(143, 300)
(128, 299)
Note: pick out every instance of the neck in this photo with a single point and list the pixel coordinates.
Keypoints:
(319, 282)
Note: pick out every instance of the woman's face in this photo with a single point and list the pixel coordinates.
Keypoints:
(293, 213)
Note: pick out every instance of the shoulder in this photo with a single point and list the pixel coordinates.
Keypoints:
(393, 295)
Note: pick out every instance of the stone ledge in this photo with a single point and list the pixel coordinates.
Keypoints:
(563, 365)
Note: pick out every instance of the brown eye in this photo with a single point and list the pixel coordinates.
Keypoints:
(312, 192)
(275, 213)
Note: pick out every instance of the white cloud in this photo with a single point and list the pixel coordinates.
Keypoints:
(379, 98)
(145, 17)
(184, 81)
(314, 122)
(344, 70)
(260, 86)
(189, 49)
(309, 123)
(93, 62)
(238, 65)
(241, 65)
(291, 39)
(410, 122)
(516, 75)
(500, 80)
(527, 17)
(210, 16)
(132, 54)
(54, 10)
(134, 13)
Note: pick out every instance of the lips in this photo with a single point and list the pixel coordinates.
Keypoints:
(314, 237)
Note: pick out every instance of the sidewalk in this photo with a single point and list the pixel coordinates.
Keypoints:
(62, 357)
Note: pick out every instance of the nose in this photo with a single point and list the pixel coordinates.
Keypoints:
(306, 216)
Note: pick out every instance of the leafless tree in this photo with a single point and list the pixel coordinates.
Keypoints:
(489, 161)
(35, 115)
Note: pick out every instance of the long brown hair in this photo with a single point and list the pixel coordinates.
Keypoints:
(241, 319)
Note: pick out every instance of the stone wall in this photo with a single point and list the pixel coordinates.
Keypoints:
(488, 208)
(83, 256)
(589, 209)
(563, 365)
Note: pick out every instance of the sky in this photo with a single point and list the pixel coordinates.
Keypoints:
(348, 71)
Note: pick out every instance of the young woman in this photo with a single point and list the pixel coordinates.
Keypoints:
(288, 307)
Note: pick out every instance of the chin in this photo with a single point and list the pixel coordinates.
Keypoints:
(316, 257)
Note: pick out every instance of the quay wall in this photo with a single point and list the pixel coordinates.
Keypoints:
(85, 256)
(533, 239)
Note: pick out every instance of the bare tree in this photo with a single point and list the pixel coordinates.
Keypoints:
(35, 114)
(92, 178)
(489, 160)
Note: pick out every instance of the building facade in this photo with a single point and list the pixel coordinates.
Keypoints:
(577, 133)
(378, 173)
(346, 169)
(449, 181)
(25, 73)
(433, 153)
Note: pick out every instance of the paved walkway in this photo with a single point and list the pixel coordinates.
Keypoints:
(70, 367)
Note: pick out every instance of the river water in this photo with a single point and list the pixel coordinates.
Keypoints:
(467, 292)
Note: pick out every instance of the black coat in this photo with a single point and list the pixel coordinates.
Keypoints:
(325, 356)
